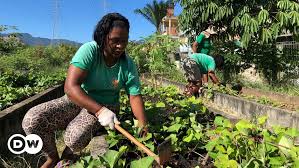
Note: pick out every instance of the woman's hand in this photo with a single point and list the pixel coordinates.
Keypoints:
(143, 132)
(138, 110)
(107, 118)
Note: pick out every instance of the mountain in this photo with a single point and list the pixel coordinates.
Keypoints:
(28, 39)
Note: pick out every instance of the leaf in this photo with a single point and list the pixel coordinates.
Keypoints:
(145, 162)
(285, 145)
(173, 138)
(276, 161)
(112, 142)
(112, 156)
(227, 123)
(294, 16)
(218, 121)
(283, 18)
(245, 19)
(293, 132)
(230, 150)
(253, 25)
(263, 16)
(296, 163)
(233, 164)
(210, 146)
(160, 104)
(198, 135)
(189, 137)
(266, 35)
(243, 126)
(150, 145)
(262, 120)
(174, 128)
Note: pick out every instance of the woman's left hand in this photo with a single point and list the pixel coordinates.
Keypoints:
(143, 132)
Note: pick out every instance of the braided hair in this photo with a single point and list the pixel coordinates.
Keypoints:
(105, 25)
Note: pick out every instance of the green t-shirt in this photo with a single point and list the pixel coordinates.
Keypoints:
(205, 62)
(204, 44)
(103, 83)
(238, 43)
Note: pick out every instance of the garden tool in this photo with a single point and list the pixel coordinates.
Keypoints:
(164, 149)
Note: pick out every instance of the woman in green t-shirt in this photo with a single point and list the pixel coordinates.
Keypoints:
(97, 72)
(202, 43)
(198, 68)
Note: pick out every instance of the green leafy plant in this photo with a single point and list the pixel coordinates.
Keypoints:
(196, 134)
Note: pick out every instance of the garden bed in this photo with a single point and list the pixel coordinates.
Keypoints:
(198, 137)
(274, 99)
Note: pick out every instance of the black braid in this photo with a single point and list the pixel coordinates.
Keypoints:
(105, 25)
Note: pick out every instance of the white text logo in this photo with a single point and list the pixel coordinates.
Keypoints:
(19, 144)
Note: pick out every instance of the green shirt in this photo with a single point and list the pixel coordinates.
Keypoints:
(204, 44)
(205, 62)
(103, 83)
(238, 43)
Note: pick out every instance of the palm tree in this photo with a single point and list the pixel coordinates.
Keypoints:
(154, 12)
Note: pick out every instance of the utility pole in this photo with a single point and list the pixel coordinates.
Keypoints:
(55, 21)
(105, 6)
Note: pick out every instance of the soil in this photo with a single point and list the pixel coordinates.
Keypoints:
(285, 101)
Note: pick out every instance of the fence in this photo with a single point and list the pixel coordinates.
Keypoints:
(290, 55)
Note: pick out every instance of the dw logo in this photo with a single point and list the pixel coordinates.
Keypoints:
(19, 144)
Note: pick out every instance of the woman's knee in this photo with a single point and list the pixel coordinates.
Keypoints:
(77, 140)
(31, 120)
(80, 131)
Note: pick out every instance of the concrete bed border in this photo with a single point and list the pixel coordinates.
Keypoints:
(11, 117)
(239, 108)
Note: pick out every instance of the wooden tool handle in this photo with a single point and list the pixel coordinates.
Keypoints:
(135, 141)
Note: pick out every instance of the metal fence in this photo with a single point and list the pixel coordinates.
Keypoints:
(290, 55)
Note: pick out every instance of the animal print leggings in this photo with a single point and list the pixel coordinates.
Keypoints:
(191, 69)
(44, 119)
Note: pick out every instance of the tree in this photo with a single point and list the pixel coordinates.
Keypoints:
(261, 20)
(258, 22)
(9, 43)
(154, 12)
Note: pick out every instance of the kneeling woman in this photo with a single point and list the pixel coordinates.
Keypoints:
(95, 76)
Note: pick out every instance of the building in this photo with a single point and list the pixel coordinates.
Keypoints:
(170, 26)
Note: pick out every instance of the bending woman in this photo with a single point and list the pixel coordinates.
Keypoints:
(97, 72)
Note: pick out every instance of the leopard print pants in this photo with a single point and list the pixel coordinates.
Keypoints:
(191, 69)
(61, 114)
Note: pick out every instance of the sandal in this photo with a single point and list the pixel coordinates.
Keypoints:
(64, 163)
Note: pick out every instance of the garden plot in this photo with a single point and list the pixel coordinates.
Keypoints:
(274, 99)
(198, 137)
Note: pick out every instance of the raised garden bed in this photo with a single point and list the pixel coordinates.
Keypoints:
(198, 137)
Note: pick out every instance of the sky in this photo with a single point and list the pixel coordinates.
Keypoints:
(73, 19)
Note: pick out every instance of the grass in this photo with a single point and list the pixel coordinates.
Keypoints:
(284, 89)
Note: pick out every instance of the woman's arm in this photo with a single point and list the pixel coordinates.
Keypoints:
(205, 78)
(194, 47)
(213, 77)
(138, 109)
(73, 90)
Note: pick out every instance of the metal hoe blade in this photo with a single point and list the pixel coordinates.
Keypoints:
(164, 151)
